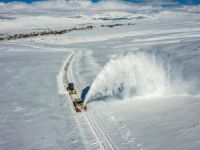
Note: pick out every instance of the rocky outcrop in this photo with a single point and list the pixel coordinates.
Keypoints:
(43, 32)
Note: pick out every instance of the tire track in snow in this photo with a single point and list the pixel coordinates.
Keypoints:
(91, 131)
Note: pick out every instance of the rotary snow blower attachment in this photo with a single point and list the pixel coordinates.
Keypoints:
(77, 102)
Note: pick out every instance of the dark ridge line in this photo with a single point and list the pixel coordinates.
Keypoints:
(55, 32)
(51, 32)
(117, 25)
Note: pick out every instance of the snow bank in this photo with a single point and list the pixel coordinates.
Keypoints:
(140, 74)
(61, 77)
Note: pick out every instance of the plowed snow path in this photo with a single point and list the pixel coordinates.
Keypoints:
(91, 131)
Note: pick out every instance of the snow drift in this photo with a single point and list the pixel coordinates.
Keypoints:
(140, 74)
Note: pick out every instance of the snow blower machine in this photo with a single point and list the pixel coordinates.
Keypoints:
(77, 102)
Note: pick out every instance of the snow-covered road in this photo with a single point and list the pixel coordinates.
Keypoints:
(91, 131)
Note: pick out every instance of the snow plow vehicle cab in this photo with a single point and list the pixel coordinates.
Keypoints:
(71, 89)
(70, 86)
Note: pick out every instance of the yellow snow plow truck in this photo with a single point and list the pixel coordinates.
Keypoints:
(77, 102)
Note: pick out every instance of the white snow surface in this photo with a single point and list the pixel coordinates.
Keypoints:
(144, 79)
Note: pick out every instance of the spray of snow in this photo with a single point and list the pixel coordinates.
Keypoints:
(139, 74)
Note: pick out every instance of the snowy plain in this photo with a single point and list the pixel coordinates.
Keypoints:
(144, 79)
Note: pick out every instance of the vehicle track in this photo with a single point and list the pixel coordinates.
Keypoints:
(91, 131)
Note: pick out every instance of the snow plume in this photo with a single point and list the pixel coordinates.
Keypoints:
(139, 74)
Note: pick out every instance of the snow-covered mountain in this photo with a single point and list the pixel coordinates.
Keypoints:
(140, 62)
